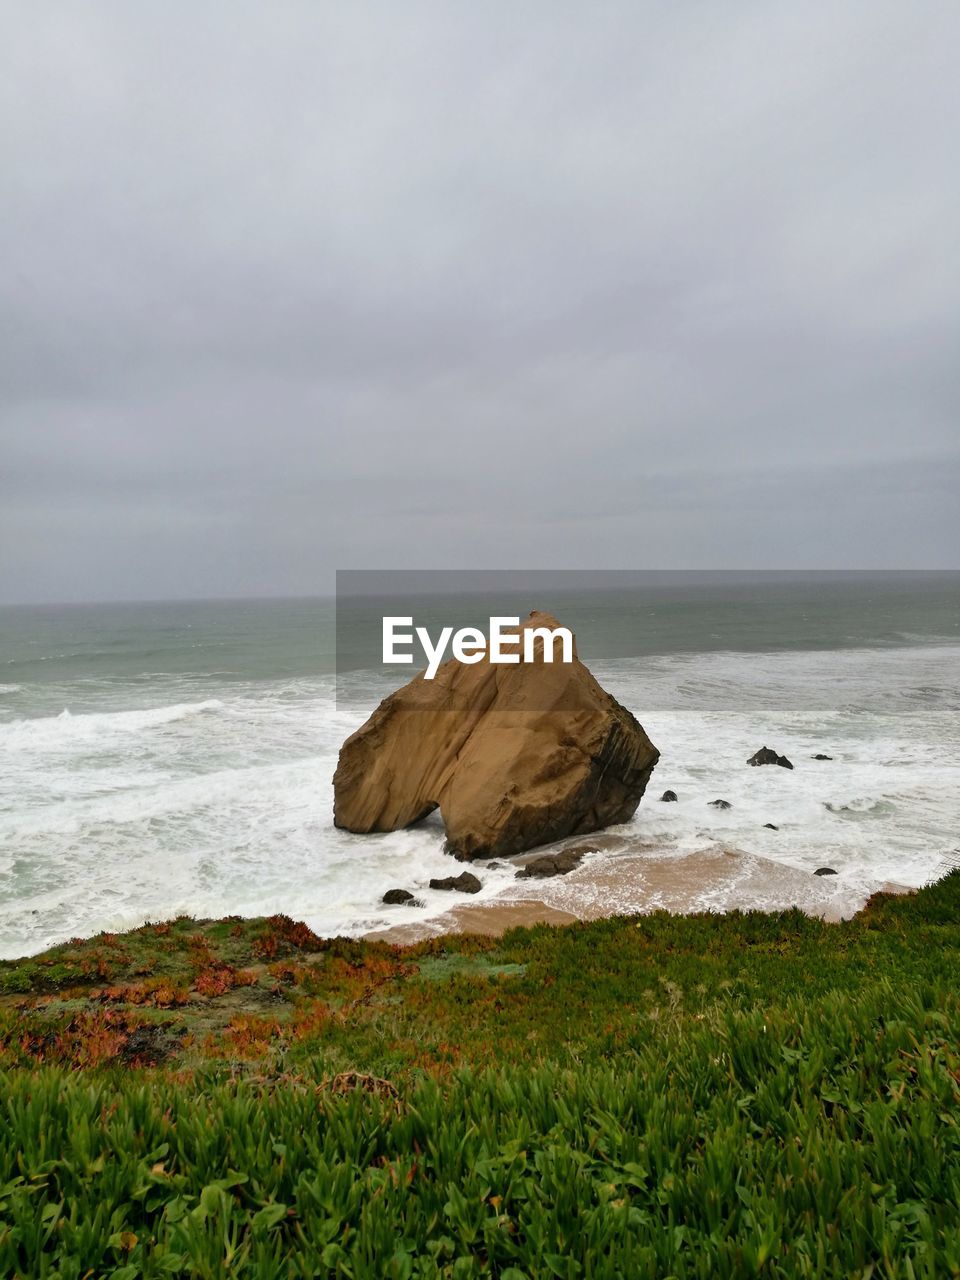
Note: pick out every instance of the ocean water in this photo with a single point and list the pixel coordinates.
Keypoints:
(178, 757)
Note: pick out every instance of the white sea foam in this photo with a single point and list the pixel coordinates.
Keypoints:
(41, 733)
(220, 805)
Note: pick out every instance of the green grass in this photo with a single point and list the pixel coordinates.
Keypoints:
(659, 1096)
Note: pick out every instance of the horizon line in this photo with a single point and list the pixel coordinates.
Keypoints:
(454, 589)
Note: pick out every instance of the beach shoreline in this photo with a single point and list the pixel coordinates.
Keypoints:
(617, 879)
(193, 776)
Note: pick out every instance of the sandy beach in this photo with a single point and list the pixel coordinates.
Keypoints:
(620, 877)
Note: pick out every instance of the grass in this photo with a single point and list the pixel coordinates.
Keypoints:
(658, 1096)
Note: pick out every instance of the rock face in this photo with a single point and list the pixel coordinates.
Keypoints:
(767, 756)
(514, 756)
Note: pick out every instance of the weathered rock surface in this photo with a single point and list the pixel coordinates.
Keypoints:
(551, 864)
(394, 896)
(514, 756)
(465, 882)
(669, 796)
(767, 755)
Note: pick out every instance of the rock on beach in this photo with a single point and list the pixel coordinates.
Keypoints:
(514, 756)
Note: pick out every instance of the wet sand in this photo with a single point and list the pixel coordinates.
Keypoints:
(618, 878)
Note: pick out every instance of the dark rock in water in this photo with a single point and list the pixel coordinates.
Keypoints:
(669, 795)
(771, 827)
(505, 781)
(767, 756)
(494, 866)
(551, 864)
(463, 883)
(825, 871)
(720, 804)
(821, 756)
(393, 896)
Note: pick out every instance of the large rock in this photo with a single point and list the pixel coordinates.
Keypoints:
(514, 756)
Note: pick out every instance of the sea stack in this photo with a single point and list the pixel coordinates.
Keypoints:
(514, 756)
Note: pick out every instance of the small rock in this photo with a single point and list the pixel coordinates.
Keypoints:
(720, 804)
(398, 895)
(463, 883)
(821, 756)
(767, 756)
(669, 795)
(771, 827)
(551, 864)
(825, 871)
(494, 866)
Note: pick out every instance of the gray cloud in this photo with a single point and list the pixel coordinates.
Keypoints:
(301, 286)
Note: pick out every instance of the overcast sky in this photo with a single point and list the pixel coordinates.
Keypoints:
(297, 286)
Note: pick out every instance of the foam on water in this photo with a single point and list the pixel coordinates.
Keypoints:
(222, 804)
(42, 733)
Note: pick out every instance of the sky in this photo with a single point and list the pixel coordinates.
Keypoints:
(296, 287)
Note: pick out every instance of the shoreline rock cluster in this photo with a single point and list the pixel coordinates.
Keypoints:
(766, 755)
(563, 861)
(515, 757)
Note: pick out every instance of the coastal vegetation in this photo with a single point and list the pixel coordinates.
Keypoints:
(748, 1094)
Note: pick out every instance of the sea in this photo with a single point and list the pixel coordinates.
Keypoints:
(177, 757)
